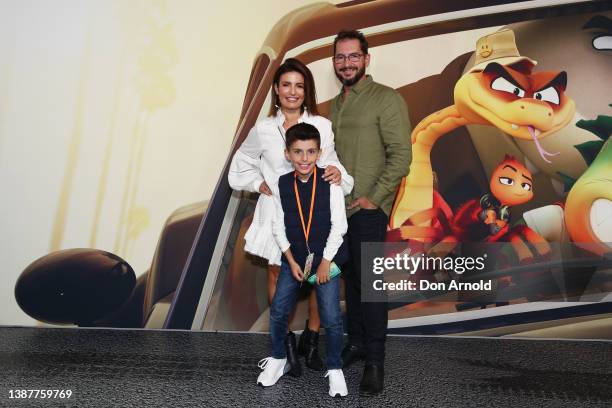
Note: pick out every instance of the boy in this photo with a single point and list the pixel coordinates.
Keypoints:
(309, 224)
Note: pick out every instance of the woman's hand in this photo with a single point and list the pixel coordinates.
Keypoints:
(332, 175)
(264, 189)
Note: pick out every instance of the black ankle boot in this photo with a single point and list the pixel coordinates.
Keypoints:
(373, 380)
(309, 348)
(304, 339)
(292, 356)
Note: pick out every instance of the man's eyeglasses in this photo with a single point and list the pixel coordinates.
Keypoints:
(354, 57)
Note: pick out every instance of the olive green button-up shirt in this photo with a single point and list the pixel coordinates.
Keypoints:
(372, 134)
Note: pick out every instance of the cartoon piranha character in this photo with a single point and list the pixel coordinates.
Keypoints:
(588, 209)
(501, 91)
(486, 219)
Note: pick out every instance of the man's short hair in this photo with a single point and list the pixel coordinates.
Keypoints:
(352, 35)
(302, 131)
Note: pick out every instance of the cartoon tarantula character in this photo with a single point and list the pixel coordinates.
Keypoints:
(487, 219)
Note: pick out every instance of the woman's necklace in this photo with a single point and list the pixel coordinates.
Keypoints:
(291, 118)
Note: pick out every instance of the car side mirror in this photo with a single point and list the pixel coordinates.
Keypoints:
(74, 286)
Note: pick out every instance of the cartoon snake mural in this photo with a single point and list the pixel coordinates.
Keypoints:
(501, 91)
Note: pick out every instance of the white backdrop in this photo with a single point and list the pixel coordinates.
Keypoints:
(112, 115)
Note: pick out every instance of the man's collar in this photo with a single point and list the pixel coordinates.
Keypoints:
(361, 85)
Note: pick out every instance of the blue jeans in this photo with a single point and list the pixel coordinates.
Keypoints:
(328, 298)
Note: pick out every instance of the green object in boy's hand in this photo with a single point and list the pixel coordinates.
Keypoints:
(334, 271)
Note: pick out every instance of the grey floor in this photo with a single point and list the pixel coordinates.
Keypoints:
(138, 368)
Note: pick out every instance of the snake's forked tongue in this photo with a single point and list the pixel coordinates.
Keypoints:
(543, 153)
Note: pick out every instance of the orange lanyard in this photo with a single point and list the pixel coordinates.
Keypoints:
(297, 197)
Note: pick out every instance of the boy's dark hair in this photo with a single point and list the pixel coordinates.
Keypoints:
(352, 35)
(302, 131)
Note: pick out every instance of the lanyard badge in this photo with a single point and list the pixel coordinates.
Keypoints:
(306, 229)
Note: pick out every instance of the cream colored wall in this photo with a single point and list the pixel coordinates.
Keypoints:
(112, 115)
(115, 113)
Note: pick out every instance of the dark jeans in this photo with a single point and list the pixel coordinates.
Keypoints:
(328, 299)
(367, 322)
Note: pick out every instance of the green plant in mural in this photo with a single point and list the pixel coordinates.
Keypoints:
(154, 84)
(600, 127)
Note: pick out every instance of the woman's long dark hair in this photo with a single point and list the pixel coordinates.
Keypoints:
(310, 94)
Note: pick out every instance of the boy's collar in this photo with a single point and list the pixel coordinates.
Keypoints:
(297, 175)
(309, 176)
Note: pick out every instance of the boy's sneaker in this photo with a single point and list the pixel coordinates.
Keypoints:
(273, 369)
(337, 384)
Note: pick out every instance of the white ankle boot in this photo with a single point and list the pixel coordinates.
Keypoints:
(337, 384)
(273, 369)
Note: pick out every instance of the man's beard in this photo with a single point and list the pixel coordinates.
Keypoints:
(351, 81)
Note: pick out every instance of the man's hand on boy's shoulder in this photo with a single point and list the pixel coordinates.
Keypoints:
(296, 271)
(323, 271)
(332, 175)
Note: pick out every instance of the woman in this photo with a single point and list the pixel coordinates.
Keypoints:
(260, 161)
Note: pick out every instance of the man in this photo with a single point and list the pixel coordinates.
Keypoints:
(372, 131)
